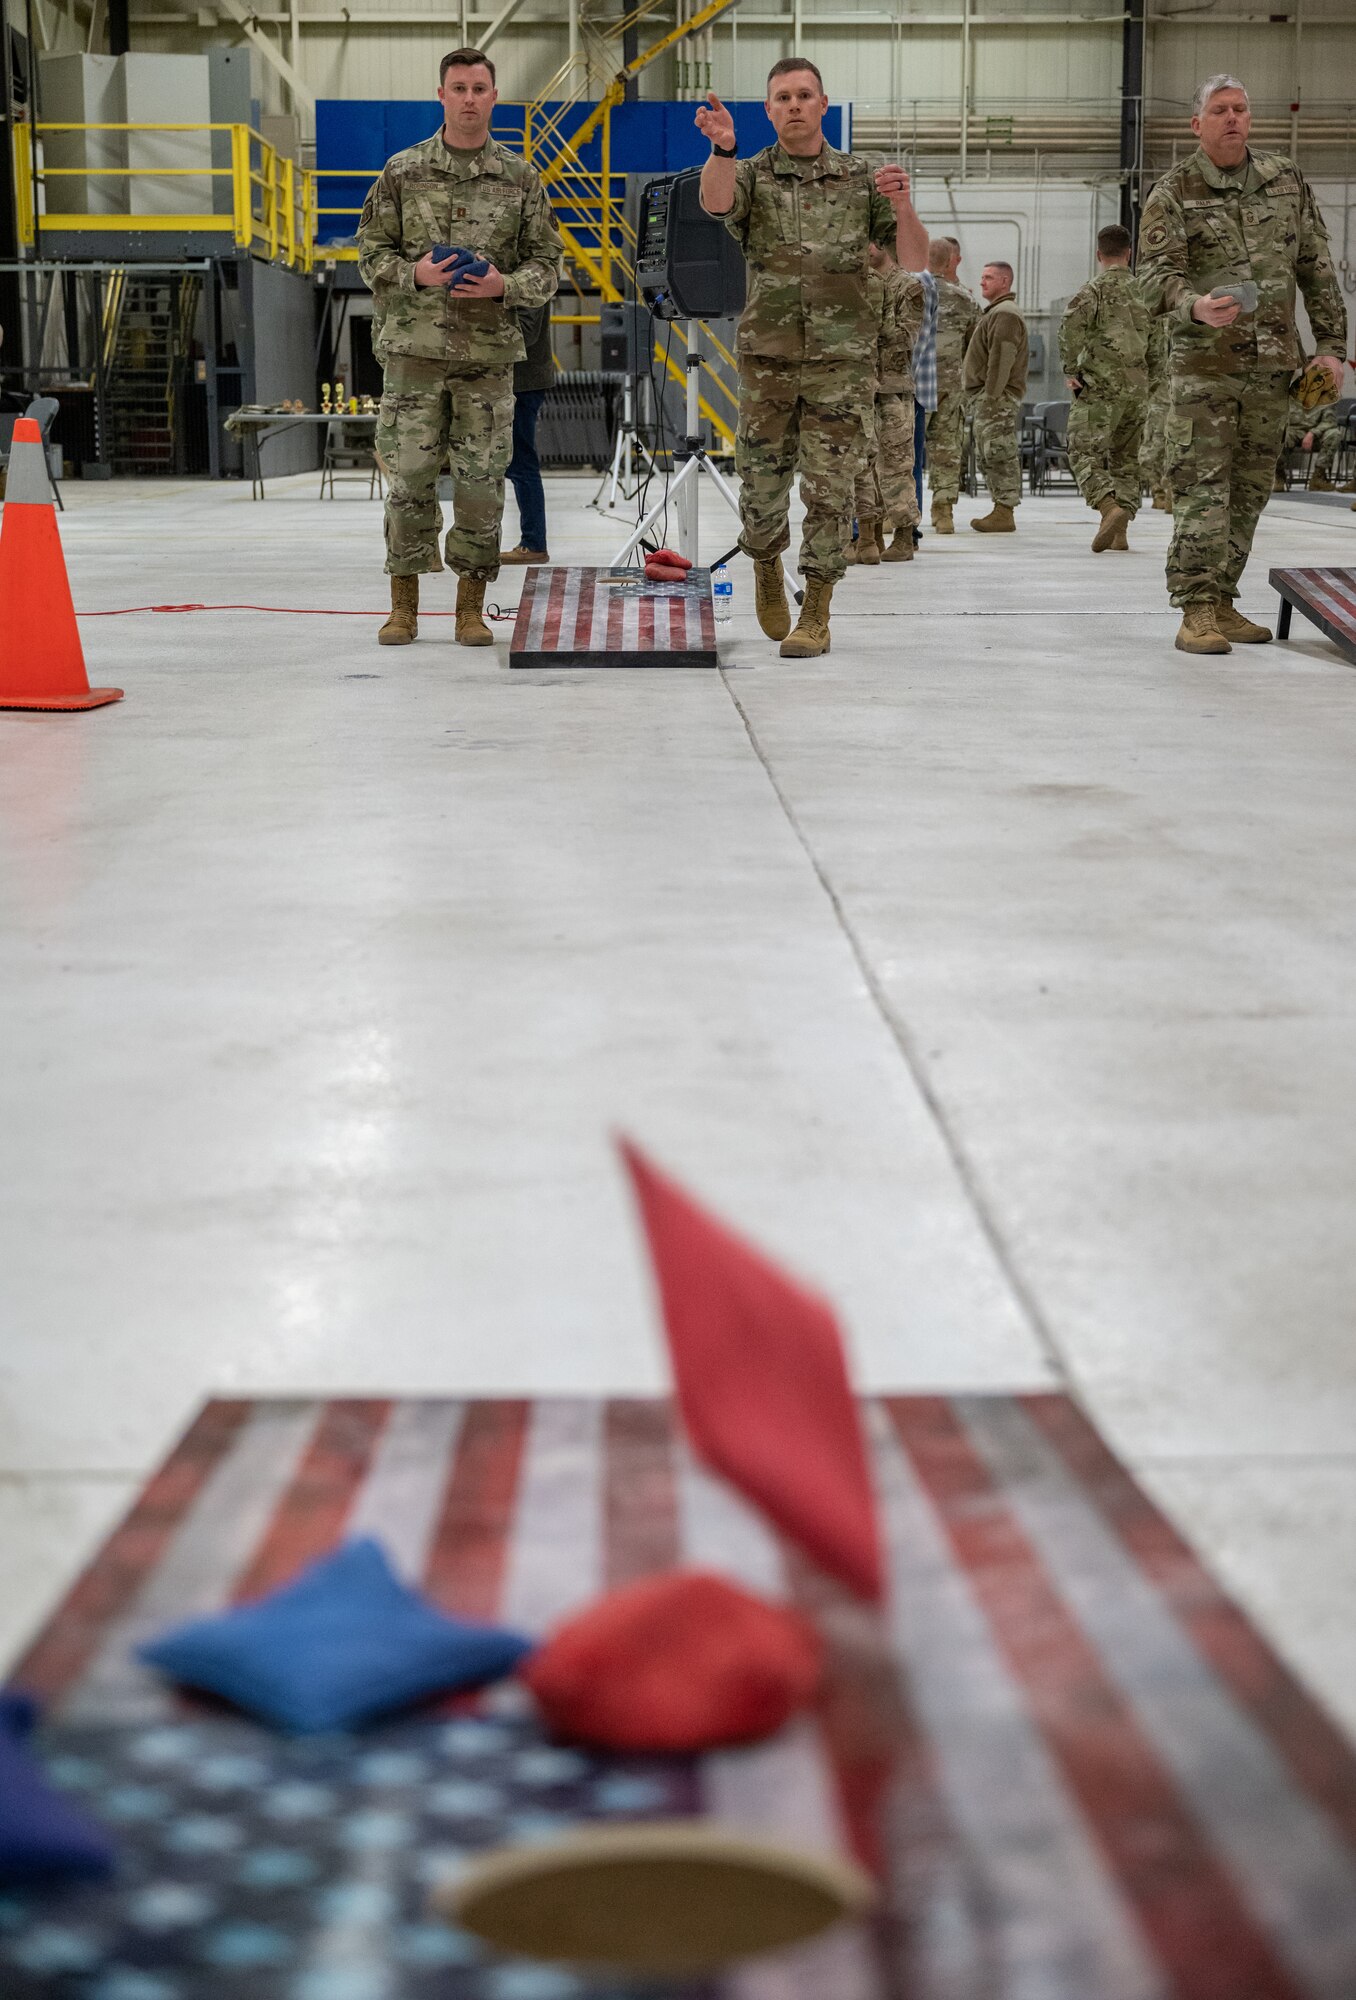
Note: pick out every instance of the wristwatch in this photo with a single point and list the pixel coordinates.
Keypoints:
(725, 152)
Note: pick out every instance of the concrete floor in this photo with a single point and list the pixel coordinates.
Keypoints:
(997, 970)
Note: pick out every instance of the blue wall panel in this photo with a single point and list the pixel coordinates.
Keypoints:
(650, 136)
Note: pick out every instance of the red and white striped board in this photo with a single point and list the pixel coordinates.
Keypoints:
(1098, 1781)
(577, 617)
(1326, 596)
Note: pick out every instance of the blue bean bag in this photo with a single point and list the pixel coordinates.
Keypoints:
(344, 1642)
(43, 1837)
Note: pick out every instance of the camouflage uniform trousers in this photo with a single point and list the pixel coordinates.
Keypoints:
(885, 490)
(429, 413)
(995, 425)
(1224, 436)
(946, 447)
(1104, 439)
(809, 417)
(1151, 468)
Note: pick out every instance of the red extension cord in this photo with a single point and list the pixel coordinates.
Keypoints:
(286, 610)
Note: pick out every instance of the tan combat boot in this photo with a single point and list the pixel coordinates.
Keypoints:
(941, 518)
(998, 521)
(901, 548)
(811, 635)
(1199, 633)
(471, 627)
(1319, 482)
(403, 624)
(868, 542)
(769, 598)
(1240, 631)
(1115, 520)
(1162, 501)
(1120, 541)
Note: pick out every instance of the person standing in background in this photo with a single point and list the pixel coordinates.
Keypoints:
(1103, 350)
(957, 317)
(447, 339)
(1151, 470)
(1226, 227)
(995, 382)
(886, 495)
(924, 372)
(531, 379)
(803, 213)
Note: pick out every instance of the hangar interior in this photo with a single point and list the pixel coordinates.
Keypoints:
(993, 973)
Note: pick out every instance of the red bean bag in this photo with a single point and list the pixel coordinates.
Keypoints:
(678, 1663)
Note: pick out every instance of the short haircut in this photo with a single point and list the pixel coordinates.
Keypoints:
(997, 264)
(1114, 240)
(940, 254)
(787, 67)
(465, 59)
(1211, 87)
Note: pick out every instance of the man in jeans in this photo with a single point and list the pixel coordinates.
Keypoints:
(531, 379)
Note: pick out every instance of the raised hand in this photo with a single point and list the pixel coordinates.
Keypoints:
(893, 183)
(715, 122)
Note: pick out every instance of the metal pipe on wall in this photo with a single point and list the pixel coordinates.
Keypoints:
(965, 88)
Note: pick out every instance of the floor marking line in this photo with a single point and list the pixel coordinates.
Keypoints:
(966, 1172)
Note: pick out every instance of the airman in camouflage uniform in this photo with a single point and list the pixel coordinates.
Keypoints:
(1151, 469)
(804, 214)
(1103, 342)
(1222, 217)
(995, 382)
(448, 357)
(1325, 429)
(957, 317)
(886, 499)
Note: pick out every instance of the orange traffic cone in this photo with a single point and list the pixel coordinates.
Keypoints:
(41, 662)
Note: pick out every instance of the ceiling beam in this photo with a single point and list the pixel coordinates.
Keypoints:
(501, 20)
(271, 53)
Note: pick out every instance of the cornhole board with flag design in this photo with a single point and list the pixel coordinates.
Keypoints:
(578, 617)
(1102, 1783)
(1325, 596)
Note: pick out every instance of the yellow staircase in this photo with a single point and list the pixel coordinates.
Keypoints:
(599, 241)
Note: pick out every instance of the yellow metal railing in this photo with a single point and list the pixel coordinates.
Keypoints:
(276, 209)
(272, 200)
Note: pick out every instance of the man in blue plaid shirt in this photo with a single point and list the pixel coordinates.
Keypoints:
(924, 385)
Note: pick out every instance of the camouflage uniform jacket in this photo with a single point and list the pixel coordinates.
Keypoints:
(804, 226)
(898, 301)
(957, 317)
(1104, 335)
(996, 358)
(1156, 355)
(489, 201)
(1205, 226)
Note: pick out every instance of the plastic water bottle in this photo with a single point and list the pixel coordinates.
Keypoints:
(722, 593)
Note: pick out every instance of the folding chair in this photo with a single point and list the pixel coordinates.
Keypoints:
(43, 410)
(350, 450)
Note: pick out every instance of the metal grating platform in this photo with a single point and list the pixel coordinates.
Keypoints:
(576, 617)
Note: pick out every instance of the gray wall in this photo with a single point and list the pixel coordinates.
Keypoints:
(278, 309)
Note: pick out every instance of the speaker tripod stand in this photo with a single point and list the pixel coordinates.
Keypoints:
(632, 460)
(683, 487)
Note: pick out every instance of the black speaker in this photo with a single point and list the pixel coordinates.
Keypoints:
(688, 266)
